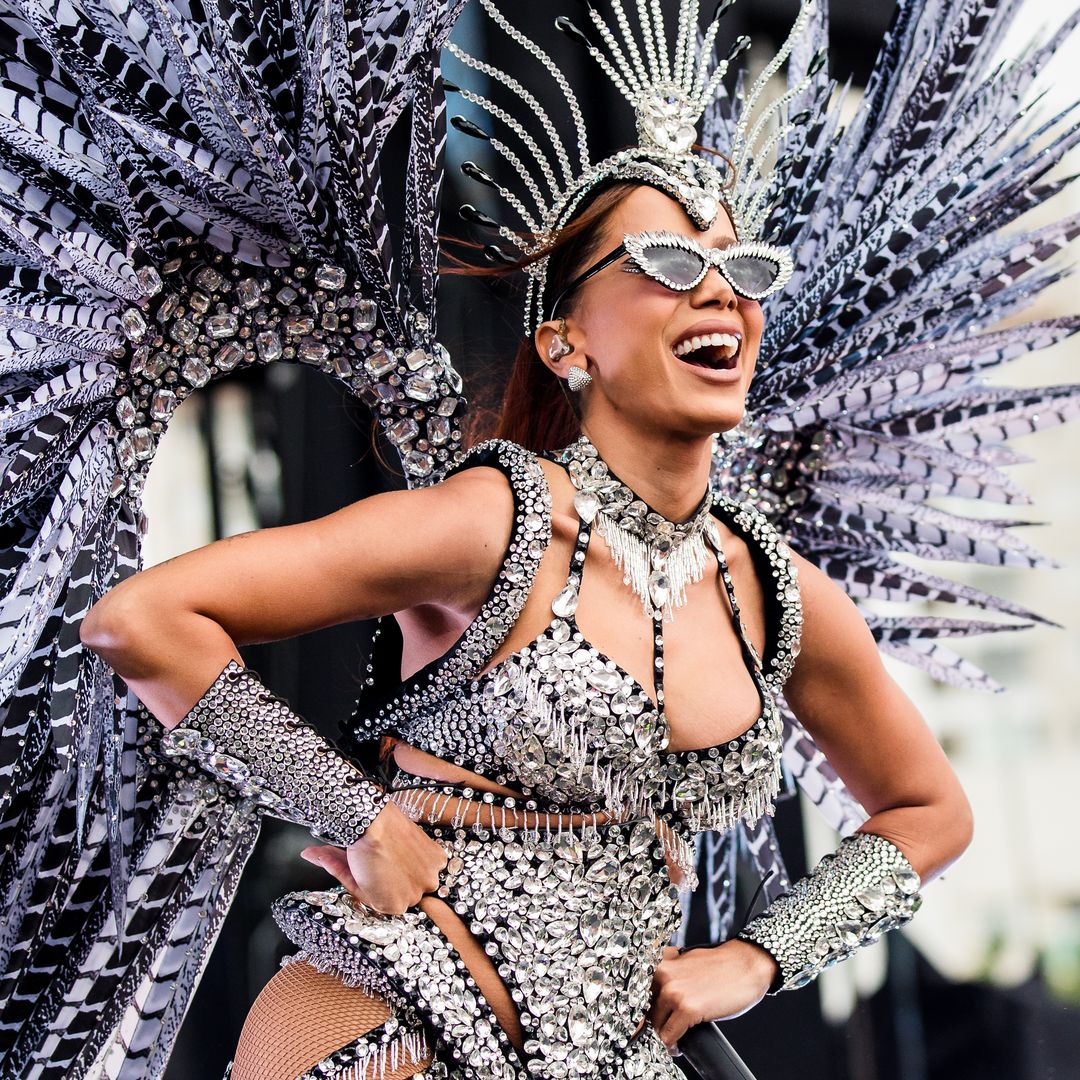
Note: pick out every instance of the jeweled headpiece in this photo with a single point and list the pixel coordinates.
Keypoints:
(670, 85)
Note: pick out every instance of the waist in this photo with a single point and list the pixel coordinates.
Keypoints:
(467, 808)
(487, 816)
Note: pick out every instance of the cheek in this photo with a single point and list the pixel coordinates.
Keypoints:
(625, 328)
(753, 318)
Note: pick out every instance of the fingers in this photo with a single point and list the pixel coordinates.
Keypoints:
(672, 1017)
(333, 860)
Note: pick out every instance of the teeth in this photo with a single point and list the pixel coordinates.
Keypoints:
(728, 342)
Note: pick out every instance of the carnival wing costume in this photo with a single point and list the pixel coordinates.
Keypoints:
(189, 189)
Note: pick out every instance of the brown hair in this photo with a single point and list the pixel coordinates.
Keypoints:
(536, 410)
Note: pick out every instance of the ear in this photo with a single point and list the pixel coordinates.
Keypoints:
(549, 339)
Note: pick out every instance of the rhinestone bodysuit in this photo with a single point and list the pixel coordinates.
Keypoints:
(575, 921)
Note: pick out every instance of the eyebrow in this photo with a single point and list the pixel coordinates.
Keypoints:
(725, 242)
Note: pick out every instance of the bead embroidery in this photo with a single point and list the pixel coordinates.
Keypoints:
(505, 725)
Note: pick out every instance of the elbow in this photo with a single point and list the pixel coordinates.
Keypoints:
(111, 628)
(953, 830)
(963, 826)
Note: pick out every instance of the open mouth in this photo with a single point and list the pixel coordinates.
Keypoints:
(718, 351)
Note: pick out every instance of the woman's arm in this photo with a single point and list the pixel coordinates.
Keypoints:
(882, 749)
(170, 630)
(871, 732)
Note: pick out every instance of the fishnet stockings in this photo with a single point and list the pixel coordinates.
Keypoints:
(301, 1016)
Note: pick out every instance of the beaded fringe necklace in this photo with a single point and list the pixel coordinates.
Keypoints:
(658, 557)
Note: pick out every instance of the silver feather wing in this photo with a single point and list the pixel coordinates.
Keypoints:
(871, 400)
(185, 189)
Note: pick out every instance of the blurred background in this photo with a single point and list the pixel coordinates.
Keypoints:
(986, 982)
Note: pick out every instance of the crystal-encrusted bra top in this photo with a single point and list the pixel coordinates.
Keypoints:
(562, 722)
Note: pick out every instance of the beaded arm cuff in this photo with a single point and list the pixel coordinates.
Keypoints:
(848, 900)
(243, 735)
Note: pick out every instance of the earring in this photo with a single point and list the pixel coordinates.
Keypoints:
(578, 378)
(559, 346)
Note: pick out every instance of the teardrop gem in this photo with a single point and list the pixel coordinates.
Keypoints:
(586, 504)
(565, 604)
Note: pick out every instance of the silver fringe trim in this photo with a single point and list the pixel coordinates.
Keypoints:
(659, 581)
(374, 985)
(376, 1060)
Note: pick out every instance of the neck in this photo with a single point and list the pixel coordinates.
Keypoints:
(671, 474)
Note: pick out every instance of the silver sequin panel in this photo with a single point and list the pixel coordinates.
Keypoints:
(575, 924)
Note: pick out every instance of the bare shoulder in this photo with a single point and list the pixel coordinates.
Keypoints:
(471, 517)
(835, 636)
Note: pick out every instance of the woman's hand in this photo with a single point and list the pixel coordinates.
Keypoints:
(390, 867)
(707, 984)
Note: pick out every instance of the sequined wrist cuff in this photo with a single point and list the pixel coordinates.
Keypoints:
(850, 899)
(243, 735)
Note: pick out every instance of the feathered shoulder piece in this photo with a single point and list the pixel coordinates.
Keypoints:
(186, 189)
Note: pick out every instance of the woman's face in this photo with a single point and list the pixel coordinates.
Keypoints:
(635, 332)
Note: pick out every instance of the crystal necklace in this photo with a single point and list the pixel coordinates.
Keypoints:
(658, 557)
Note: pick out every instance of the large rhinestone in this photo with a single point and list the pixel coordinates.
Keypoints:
(162, 404)
(167, 308)
(379, 933)
(133, 324)
(402, 431)
(367, 314)
(299, 325)
(208, 279)
(248, 293)
(659, 588)
(154, 366)
(586, 503)
(268, 345)
(568, 847)
(142, 443)
(149, 280)
(907, 881)
(421, 389)
(125, 454)
(872, 898)
(438, 430)
(418, 463)
(603, 870)
(125, 412)
(579, 1026)
(230, 768)
(565, 604)
(182, 740)
(532, 753)
(195, 371)
(594, 983)
(228, 356)
(183, 332)
(604, 680)
(330, 277)
(380, 363)
(312, 351)
(222, 326)
(415, 359)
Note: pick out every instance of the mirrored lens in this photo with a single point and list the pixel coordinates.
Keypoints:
(679, 266)
(751, 274)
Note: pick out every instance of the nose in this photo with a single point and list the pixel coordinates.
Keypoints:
(714, 289)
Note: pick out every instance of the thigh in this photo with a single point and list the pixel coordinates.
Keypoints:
(302, 1016)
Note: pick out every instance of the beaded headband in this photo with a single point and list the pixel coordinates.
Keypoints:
(670, 87)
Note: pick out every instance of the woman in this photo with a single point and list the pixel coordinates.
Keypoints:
(663, 381)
